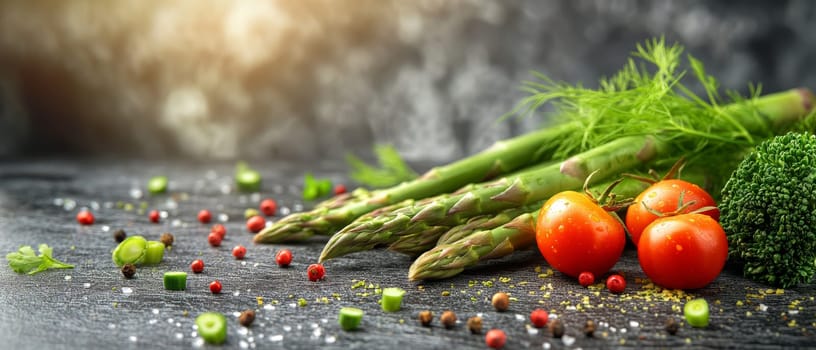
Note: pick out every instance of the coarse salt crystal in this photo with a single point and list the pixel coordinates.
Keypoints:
(127, 290)
(276, 337)
(568, 340)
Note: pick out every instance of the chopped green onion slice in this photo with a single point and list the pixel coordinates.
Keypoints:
(212, 327)
(350, 318)
(131, 251)
(157, 184)
(696, 312)
(175, 280)
(154, 253)
(392, 299)
(314, 188)
(248, 180)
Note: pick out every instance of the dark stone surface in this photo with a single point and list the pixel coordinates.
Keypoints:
(86, 307)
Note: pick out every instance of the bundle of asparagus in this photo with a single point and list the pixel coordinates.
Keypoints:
(634, 120)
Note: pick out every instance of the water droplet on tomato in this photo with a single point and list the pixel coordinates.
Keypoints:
(678, 247)
(594, 218)
(561, 228)
(652, 194)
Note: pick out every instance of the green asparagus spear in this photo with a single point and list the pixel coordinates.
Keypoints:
(503, 157)
(484, 222)
(453, 256)
(385, 228)
(448, 260)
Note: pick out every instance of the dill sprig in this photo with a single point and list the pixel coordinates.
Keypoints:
(648, 96)
(392, 169)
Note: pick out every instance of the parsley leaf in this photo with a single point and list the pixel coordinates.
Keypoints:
(25, 260)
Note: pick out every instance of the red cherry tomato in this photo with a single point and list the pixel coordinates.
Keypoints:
(685, 251)
(663, 197)
(576, 235)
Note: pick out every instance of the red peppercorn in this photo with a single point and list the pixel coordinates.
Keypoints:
(219, 229)
(239, 252)
(283, 257)
(255, 224)
(339, 189)
(616, 283)
(215, 287)
(495, 338)
(214, 239)
(204, 216)
(85, 217)
(154, 216)
(539, 318)
(269, 207)
(197, 266)
(316, 272)
(586, 279)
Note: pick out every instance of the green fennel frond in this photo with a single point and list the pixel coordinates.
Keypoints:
(392, 169)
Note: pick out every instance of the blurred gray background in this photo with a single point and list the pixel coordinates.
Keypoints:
(310, 79)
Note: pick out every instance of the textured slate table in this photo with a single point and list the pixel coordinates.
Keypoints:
(93, 306)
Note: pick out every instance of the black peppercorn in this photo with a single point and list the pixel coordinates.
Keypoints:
(167, 238)
(448, 319)
(672, 326)
(557, 328)
(119, 235)
(589, 328)
(247, 317)
(128, 270)
(425, 318)
(475, 324)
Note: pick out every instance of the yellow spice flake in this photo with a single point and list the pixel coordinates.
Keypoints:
(260, 300)
(445, 293)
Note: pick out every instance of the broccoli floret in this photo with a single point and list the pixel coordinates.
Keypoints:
(768, 211)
